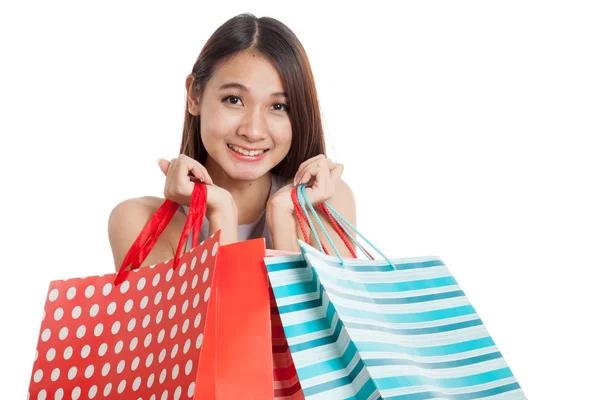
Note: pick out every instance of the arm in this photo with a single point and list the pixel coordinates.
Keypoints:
(225, 219)
(284, 229)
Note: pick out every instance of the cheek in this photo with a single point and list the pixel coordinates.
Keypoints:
(283, 139)
(282, 142)
(212, 129)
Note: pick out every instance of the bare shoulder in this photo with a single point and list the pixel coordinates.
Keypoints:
(343, 200)
(131, 211)
(128, 218)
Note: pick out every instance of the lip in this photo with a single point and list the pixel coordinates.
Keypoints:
(245, 148)
(244, 158)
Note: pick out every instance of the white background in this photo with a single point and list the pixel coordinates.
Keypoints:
(468, 130)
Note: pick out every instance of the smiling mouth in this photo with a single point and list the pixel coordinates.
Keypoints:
(245, 152)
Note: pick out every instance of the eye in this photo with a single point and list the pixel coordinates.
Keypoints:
(234, 98)
(283, 107)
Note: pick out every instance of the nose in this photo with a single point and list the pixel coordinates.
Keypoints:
(254, 126)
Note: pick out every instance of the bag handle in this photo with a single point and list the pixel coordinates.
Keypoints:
(193, 223)
(304, 201)
(301, 217)
(149, 235)
(341, 231)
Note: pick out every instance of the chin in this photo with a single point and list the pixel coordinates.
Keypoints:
(246, 174)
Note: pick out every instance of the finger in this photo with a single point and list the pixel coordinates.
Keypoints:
(199, 174)
(172, 168)
(300, 174)
(163, 165)
(331, 163)
(336, 171)
(321, 188)
(317, 160)
(317, 170)
(169, 180)
(306, 163)
(198, 170)
(310, 161)
(194, 168)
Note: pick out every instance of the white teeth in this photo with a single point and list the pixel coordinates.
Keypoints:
(245, 152)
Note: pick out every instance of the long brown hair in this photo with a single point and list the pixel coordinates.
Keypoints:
(276, 41)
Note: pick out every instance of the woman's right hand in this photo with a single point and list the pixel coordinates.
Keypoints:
(179, 186)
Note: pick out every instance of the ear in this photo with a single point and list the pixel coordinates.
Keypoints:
(192, 98)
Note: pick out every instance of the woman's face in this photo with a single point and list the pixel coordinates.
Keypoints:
(245, 126)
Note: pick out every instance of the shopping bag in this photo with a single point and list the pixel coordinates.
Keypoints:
(286, 383)
(236, 359)
(139, 333)
(140, 338)
(387, 329)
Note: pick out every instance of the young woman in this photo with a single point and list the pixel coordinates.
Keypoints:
(252, 132)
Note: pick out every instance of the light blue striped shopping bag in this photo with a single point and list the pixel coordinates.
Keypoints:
(397, 329)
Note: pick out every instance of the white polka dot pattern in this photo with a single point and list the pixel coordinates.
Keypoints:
(127, 342)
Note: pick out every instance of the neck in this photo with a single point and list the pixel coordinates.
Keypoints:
(250, 196)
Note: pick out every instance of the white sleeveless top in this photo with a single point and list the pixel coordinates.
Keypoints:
(253, 230)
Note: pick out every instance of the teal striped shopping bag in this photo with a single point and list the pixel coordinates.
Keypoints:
(397, 329)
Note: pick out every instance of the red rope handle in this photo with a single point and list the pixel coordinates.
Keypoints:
(194, 220)
(298, 214)
(341, 232)
(337, 228)
(146, 240)
(143, 244)
(302, 218)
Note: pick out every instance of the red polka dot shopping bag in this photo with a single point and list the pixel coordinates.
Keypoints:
(194, 327)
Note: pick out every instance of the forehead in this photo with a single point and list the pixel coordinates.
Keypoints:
(252, 70)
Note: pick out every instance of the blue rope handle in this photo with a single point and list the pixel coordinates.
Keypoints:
(303, 200)
(339, 218)
(358, 246)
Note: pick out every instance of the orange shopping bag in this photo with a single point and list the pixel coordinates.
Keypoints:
(236, 356)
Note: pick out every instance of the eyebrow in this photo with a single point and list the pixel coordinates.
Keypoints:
(239, 86)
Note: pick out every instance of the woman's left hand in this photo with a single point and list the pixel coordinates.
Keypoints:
(319, 173)
(323, 179)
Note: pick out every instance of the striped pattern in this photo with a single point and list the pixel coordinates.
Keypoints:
(285, 379)
(367, 330)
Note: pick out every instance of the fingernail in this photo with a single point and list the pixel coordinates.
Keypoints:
(159, 160)
(294, 181)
